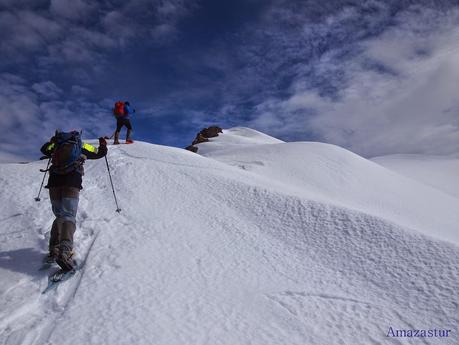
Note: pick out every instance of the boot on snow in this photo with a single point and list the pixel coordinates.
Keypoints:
(128, 137)
(52, 255)
(65, 260)
(116, 141)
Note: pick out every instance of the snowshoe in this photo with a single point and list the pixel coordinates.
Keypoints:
(58, 277)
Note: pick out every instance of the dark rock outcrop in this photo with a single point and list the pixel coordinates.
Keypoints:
(199, 139)
(192, 148)
(211, 132)
(203, 136)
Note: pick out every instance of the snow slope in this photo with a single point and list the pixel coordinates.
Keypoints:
(258, 242)
(333, 175)
(439, 172)
(10, 158)
(236, 138)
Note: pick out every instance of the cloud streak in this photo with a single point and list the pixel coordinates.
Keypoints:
(31, 113)
(393, 92)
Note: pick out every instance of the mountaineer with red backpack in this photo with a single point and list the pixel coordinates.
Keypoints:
(121, 111)
(67, 154)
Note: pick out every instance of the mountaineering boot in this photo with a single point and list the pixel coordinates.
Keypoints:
(117, 137)
(49, 259)
(53, 246)
(52, 255)
(64, 260)
(128, 137)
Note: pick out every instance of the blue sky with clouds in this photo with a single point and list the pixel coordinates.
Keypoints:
(377, 77)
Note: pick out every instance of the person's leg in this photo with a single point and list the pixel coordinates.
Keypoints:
(54, 239)
(55, 197)
(69, 208)
(119, 124)
(66, 240)
(127, 123)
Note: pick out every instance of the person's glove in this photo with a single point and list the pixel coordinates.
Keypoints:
(102, 141)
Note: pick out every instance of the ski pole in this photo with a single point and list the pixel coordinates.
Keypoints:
(111, 182)
(43, 181)
(110, 137)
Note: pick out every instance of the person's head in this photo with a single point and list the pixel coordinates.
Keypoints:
(127, 103)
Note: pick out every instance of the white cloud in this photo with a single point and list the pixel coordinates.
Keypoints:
(80, 31)
(23, 32)
(74, 10)
(162, 31)
(80, 91)
(113, 23)
(31, 113)
(19, 103)
(143, 18)
(400, 96)
(47, 90)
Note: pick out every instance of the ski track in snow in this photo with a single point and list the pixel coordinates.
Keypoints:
(209, 252)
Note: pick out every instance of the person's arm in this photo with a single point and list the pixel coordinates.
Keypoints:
(47, 149)
(129, 110)
(92, 153)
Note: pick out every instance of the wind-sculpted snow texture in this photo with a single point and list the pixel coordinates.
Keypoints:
(257, 242)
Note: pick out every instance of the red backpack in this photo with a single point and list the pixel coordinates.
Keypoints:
(119, 109)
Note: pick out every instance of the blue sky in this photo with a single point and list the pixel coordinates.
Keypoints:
(376, 77)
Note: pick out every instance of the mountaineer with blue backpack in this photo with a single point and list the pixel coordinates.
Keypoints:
(67, 154)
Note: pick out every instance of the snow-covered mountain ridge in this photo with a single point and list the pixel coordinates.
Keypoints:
(333, 175)
(256, 241)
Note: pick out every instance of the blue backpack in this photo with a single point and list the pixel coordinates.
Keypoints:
(67, 155)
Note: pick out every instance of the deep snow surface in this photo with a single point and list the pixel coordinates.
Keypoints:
(441, 172)
(256, 242)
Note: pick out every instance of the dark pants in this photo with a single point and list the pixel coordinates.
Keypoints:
(64, 202)
(120, 122)
(123, 122)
